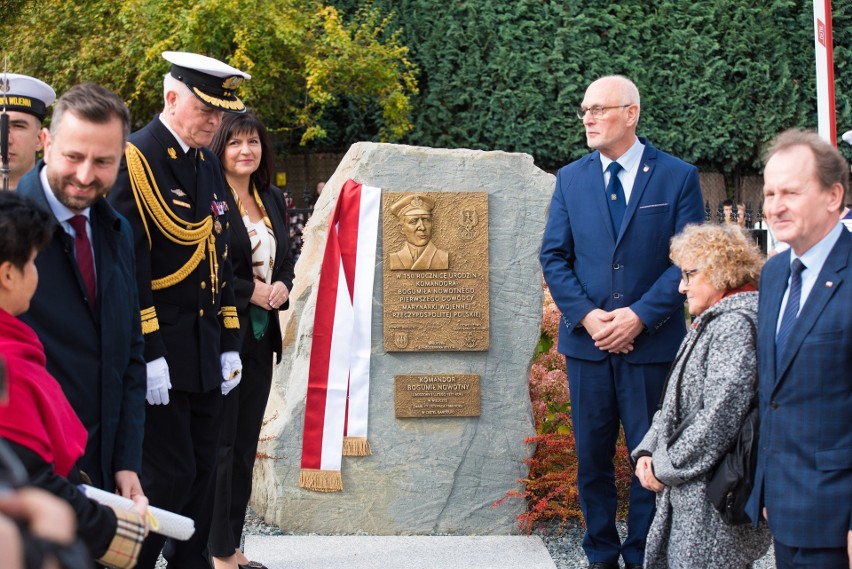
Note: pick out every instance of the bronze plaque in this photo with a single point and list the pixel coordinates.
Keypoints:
(437, 395)
(435, 271)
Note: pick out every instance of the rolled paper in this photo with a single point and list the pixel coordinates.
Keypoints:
(162, 522)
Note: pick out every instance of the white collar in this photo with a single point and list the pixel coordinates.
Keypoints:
(184, 146)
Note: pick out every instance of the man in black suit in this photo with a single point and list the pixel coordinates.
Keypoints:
(172, 191)
(86, 310)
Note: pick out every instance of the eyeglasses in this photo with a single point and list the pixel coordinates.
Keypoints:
(684, 275)
(597, 112)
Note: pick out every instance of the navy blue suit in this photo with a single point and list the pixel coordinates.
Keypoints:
(804, 469)
(586, 267)
(97, 357)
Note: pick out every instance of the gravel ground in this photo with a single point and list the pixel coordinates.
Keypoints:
(563, 545)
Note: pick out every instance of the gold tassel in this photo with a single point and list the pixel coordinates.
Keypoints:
(321, 480)
(356, 446)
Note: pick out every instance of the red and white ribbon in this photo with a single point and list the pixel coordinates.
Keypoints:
(339, 374)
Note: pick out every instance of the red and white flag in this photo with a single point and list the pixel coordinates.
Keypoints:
(339, 374)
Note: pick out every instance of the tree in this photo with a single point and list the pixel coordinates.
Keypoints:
(302, 56)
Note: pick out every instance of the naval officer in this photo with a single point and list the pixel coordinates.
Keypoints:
(172, 191)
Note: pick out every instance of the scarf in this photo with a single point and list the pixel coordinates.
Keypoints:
(37, 414)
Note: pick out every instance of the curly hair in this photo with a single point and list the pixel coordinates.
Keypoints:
(727, 256)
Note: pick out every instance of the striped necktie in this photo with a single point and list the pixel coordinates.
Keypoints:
(791, 311)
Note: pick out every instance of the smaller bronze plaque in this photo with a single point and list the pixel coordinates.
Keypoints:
(429, 395)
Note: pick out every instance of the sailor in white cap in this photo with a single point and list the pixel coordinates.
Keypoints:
(172, 191)
(25, 99)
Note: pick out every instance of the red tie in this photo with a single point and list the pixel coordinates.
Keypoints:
(85, 262)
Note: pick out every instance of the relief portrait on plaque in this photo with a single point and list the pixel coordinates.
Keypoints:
(435, 271)
(414, 213)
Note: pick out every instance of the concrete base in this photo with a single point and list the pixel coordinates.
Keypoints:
(388, 552)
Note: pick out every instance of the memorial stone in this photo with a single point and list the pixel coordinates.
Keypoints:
(426, 474)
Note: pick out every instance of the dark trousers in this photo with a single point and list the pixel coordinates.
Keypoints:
(604, 394)
(242, 417)
(178, 472)
(787, 557)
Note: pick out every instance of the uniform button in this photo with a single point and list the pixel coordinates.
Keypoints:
(616, 295)
(773, 405)
(616, 266)
(201, 313)
(203, 284)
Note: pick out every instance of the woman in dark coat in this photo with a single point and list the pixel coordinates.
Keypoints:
(263, 276)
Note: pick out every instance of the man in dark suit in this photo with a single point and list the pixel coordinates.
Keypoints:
(172, 191)
(803, 483)
(605, 258)
(86, 310)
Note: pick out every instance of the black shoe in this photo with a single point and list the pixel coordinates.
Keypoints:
(600, 565)
(252, 565)
(632, 566)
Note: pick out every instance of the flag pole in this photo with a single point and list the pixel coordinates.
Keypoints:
(824, 51)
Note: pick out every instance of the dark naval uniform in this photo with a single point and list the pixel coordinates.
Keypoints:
(175, 202)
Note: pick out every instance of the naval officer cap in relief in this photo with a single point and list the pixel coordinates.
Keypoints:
(25, 94)
(212, 81)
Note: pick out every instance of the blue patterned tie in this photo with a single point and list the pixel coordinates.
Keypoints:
(788, 319)
(615, 197)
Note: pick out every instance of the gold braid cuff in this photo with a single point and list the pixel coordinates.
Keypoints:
(149, 200)
(229, 317)
(149, 320)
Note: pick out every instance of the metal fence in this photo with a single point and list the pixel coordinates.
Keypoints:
(750, 220)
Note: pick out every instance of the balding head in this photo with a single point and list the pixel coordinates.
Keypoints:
(615, 101)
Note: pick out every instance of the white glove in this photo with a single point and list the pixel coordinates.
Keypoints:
(232, 371)
(158, 382)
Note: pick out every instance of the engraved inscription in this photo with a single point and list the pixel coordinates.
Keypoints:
(431, 395)
(436, 271)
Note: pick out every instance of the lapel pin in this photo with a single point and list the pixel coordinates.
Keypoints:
(172, 153)
(829, 284)
(646, 168)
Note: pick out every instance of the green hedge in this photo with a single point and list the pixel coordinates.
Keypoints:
(718, 78)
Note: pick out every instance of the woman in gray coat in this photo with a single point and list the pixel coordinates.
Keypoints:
(713, 380)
